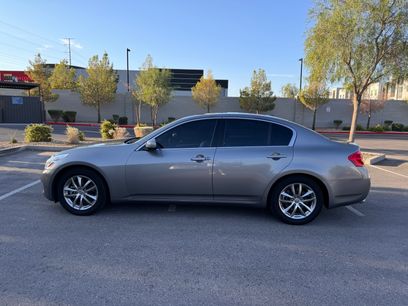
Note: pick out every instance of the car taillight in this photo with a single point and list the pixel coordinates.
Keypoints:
(357, 159)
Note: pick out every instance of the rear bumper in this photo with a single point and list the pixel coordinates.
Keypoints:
(351, 191)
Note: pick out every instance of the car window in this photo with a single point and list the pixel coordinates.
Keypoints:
(241, 132)
(188, 135)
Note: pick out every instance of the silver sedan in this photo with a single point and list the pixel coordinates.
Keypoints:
(238, 158)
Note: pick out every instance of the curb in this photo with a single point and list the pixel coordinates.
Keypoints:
(128, 126)
(7, 151)
(375, 159)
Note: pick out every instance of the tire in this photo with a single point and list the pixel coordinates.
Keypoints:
(296, 200)
(82, 192)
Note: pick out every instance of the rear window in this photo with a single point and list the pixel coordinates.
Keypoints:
(243, 132)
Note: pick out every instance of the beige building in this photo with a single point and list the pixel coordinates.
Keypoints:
(377, 91)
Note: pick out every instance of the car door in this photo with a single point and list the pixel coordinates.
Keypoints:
(249, 154)
(180, 168)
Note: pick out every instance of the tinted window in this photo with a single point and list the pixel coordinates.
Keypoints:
(189, 135)
(254, 133)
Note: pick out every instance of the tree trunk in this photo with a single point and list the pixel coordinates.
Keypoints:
(138, 110)
(314, 119)
(98, 106)
(356, 104)
(208, 107)
(368, 120)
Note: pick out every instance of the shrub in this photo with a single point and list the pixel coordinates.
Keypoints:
(406, 128)
(107, 129)
(337, 123)
(120, 133)
(115, 118)
(72, 134)
(69, 116)
(397, 127)
(123, 120)
(81, 135)
(387, 123)
(346, 128)
(359, 127)
(55, 114)
(37, 133)
(377, 128)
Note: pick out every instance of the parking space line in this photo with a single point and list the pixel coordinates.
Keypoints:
(355, 211)
(172, 208)
(399, 174)
(4, 196)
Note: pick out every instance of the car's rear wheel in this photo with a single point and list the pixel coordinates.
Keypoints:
(296, 200)
(81, 191)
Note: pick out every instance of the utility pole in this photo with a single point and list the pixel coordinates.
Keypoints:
(127, 69)
(69, 48)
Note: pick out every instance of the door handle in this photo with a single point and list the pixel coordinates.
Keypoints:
(200, 158)
(276, 156)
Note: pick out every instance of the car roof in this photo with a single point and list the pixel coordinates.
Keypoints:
(238, 115)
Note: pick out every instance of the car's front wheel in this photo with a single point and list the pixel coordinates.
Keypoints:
(81, 191)
(296, 200)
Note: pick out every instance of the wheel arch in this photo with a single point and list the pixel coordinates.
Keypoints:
(325, 189)
(57, 177)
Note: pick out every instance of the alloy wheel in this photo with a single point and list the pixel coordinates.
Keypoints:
(80, 192)
(297, 201)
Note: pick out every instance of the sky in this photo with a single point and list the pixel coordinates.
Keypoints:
(231, 38)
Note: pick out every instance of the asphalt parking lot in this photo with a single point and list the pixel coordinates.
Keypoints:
(194, 255)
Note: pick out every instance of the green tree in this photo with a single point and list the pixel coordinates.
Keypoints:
(40, 74)
(314, 96)
(369, 107)
(99, 87)
(152, 88)
(259, 97)
(206, 91)
(290, 91)
(359, 43)
(63, 76)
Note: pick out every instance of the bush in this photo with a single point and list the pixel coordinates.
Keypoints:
(377, 128)
(120, 133)
(69, 116)
(397, 127)
(37, 133)
(387, 123)
(55, 114)
(406, 128)
(359, 127)
(123, 120)
(346, 128)
(337, 123)
(72, 134)
(81, 135)
(107, 129)
(115, 118)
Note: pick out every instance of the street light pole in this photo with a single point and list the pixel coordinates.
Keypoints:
(127, 69)
(127, 78)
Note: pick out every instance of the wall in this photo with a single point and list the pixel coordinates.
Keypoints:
(181, 106)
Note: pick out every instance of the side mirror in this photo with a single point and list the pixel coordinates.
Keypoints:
(151, 144)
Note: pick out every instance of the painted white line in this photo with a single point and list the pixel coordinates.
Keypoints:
(376, 167)
(172, 208)
(4, 196)
(355, 211)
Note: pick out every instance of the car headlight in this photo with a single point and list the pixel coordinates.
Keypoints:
(51, 161)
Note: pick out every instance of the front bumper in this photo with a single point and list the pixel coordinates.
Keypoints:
(46, 180)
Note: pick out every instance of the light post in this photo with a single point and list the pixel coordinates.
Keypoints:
(127, 76)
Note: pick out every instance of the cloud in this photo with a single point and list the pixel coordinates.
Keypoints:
(44, 47)
(280, 75)
(74, 44)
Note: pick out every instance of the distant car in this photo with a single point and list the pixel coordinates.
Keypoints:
(218, 158)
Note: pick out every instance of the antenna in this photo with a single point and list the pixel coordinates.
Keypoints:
(69, 48)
